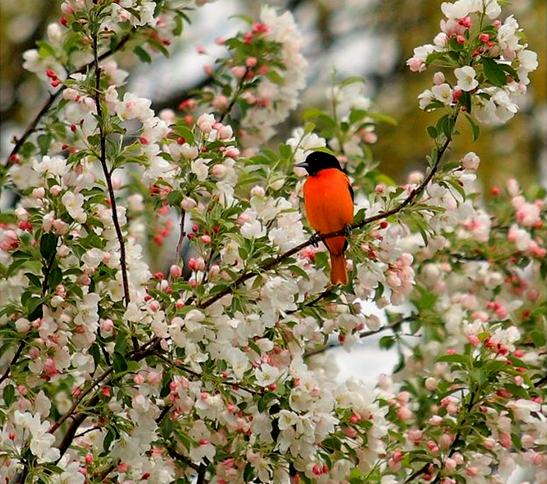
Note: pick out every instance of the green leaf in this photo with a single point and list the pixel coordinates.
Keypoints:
(275, 77)
(44, 142)
(179, 27)
(386, 342)
(16, 264)
(34, 308)
(245, 18)
(538, 337)
(518, 391)
(494, 73)
(265, 400)
(432, 132)
(509, 70)
(174, 198)
(434, 57)
(448, 126)
(142, 54)
(474, 127)
(384, 118)
(120, 365)
(34, 279)
(184, 132)
(301, 272)
(9, 395)
(352, 80)
(109, 437)
(55, 277)
(48, 244)
(96, 353)
(324, 149)
(452, 359)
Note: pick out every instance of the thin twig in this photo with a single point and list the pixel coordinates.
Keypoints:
(201, 474)
(13, 361)
(47, 270)
(179, 457)
(366, 334)
(382, 215)
(182, 234)
(307, 304)
(79, 418)
(31, 128)
(107, 176)
(236, 95)
(86, 392)
(163, 414)
(234, 385)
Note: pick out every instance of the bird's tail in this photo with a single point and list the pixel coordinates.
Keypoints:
(338, 271)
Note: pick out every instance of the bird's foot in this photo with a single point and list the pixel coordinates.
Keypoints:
(348, 229)
(314, 240)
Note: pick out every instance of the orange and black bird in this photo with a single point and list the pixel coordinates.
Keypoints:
(328, 200)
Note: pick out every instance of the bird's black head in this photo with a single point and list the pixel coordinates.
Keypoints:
(319, 160)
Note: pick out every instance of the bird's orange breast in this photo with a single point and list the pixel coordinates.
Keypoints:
(328, 203)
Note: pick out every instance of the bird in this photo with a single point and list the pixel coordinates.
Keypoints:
(328, 202)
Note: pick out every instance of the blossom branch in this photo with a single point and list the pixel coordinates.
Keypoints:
(31, 128)
(107, 174)
(382, 215)
(238, 91)
(142, 352)
(363, 335)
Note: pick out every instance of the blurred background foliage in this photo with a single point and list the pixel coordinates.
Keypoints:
(368, 38)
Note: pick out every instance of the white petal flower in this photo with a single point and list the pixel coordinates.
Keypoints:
(73, 203)
(466, 78)
(266, 375)
(443, 93)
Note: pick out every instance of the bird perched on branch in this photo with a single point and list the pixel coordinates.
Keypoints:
(328, 200)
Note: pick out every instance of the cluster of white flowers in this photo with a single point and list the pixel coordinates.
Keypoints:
(202, 372)
(277, 100)
(500, 51)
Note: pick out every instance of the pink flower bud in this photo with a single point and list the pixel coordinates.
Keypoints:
(175, 271)
(431, 384)
(251, 62)
(438, 78)
(239, 71)
(232, 153)
(404, 413)
(107, 325)
(350, 432)
(138, 379)
(188, 203)
(39, 193)
(472, 471)
(218, 171)
(450, 464)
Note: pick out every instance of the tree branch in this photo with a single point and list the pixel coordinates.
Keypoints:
(79, 418)
(182, 234)
(201, 474)
(382, 215)
(175, 455)
(31, 128)
(366, 334)
(13, 361)
(236, 95)
(108, 178)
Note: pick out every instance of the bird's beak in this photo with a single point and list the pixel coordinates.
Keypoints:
(304, 164)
